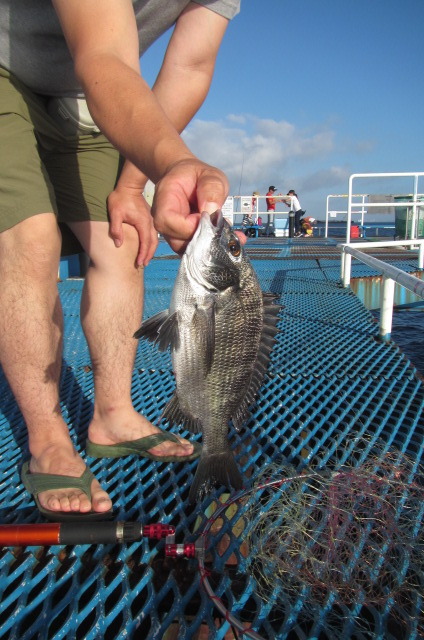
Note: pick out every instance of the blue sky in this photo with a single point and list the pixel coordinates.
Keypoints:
(307, 92)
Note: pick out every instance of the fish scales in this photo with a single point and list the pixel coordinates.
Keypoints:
(218, 326)
(212, 396)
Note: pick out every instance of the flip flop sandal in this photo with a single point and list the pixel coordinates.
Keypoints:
(141, 448)
(35, 483)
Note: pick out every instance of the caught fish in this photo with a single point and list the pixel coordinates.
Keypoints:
(220, 328)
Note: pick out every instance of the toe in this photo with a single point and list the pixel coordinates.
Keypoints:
(181, 448)
(77, 501)
(100, 499)
(50, 502)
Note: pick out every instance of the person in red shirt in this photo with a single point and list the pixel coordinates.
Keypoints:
(270, 206)
(271, 202)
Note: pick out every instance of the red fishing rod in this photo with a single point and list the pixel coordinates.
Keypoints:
(45, 534)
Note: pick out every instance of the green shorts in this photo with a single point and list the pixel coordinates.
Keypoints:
(42, 170)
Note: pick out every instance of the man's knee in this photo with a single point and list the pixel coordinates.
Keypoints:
(101, 249)
(33, 246)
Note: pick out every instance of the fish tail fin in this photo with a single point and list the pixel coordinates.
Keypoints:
(212, 470)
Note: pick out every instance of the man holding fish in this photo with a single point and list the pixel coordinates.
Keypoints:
(71, 98)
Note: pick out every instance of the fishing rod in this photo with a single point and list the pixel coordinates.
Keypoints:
(45, 534)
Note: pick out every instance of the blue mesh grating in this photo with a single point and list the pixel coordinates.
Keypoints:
(329, 381)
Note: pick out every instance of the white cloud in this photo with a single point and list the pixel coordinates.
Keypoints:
(257, 152)
(236, 118)
(324, 179)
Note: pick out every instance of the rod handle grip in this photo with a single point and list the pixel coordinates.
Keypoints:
(99, 532)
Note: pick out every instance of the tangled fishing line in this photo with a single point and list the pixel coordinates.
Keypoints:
(344, 541)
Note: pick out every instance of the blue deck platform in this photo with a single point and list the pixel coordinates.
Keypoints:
(330, 384)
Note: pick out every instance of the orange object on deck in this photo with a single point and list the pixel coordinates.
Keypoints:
(22, 535)
(354, 231)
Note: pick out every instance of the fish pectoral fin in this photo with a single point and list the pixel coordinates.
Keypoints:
(168, 333)
(150, 327)
(203, 324)
(161, 329)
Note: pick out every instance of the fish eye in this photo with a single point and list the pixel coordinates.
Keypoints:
(234, 248)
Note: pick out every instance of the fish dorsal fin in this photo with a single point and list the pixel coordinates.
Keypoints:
(162, 329)
(267, 341)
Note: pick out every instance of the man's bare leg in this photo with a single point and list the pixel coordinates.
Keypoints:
(111, 312)
(31, 354)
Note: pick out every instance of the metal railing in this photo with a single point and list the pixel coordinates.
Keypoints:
(391, 276)
(255, 206)
(332, 213)
(414, 202)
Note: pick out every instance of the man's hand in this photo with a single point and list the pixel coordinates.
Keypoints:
(128, 206)
(190, 187)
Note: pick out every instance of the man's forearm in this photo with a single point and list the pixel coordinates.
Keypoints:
(130, 115)
(177, 108)
(186, 74)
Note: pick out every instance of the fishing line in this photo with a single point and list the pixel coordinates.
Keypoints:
(345, 540)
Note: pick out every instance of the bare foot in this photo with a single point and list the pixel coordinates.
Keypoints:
(64, 460)
(125, 425)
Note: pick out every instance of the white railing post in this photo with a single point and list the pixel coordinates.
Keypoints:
(347, 267)
(363, 210)
(386, 307)
(414, 210)
(326, 218)
(390, 276)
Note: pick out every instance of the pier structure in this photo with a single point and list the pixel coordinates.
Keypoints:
(335, 394)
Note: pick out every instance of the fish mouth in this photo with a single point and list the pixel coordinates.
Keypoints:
(211, 226)
(214, 220)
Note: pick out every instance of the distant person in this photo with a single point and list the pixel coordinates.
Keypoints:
(271, 202)
(255, 195)
(294, 205)
(247, 220)
(270, 206)
(306, 226)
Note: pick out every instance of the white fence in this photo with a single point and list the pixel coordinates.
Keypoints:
(331, 212)
(255, 206)
(391, 275)
(414, 202)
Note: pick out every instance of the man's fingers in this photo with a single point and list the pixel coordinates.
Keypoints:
(116, 233)
(177, 226)
(148, 241)
(241, 236)
(180, 197)
(212, 192)
(209, 207)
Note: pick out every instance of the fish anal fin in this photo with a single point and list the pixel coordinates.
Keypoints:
(176, 416)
